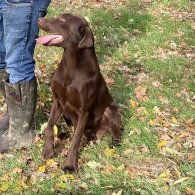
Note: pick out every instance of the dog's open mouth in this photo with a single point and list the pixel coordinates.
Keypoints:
(50, 39)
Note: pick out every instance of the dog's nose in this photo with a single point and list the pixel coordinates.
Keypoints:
(41, 21)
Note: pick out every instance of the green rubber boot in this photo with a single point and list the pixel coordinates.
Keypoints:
(4, 122)
(21, 101)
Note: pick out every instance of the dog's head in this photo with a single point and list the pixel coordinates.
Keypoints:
(66, 31)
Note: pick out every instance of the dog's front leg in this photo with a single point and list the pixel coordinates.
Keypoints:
(48, 150)
(71, 164)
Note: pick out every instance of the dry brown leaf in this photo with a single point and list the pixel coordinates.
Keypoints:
(84, 186)
(191, 123)
(161, 54)
(1, 156)
(163, 99)
(190, 191)
(193, 143)
(118, 193)
(157, 111)
(36, 139)
(109, 81)
(191, 156)
(17, 170)
(193, 25)
(165, 137)
(140, 93)
(141, 111)
(127, 152)
(107, 169)
(156, 84)
(184, 134)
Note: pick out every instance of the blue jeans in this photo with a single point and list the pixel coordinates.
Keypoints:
(18, 31)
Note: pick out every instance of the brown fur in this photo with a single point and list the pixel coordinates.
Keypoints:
(79, 90)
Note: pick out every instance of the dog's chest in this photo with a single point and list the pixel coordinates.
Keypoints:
(75, 94)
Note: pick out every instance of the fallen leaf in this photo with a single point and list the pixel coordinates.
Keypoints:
(140, 93)
(133, 103)
(109, 152)
(193, 142)
(151, 122)
(107, 169)
(121, 168)
(42, 169)
(184, 134)
(138, 131)
(1, 156)
(173, 45)
(94, 165)
(50, 162)
(165, 175)
(161, 144)
(191, 123)
(55, 130)
(157, 111)
(127, 152)
(4, 187)
(43, 126)
(165, 137)
(117, 193)
(191, 156)
(193, 25)
(60, 186)
(84, 186)
(16, 170)
(141, 111)
(161, 54)
(36, 139)
(66, 177)
(174, 120)
(87, 18)
(190, 191)
(156, 84)
(109, 81)
(145, 149)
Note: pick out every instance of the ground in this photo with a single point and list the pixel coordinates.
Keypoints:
(146, 51)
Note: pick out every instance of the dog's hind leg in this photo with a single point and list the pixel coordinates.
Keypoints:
(48, 150)
(67, 120)
(114, 124)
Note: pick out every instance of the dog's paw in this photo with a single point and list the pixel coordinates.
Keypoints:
(69, 168)
(48, 152)
(116, 143)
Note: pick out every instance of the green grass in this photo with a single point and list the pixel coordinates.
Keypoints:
(138, 45)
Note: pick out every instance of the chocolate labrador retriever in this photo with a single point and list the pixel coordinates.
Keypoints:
(79, 89)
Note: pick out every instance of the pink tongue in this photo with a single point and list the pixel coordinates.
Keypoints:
(46, 39)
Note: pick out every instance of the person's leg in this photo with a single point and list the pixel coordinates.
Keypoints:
(19, 57)
(4, 122)
(20, 30)
(2, 47)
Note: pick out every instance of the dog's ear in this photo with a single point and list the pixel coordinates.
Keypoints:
(87, 40)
